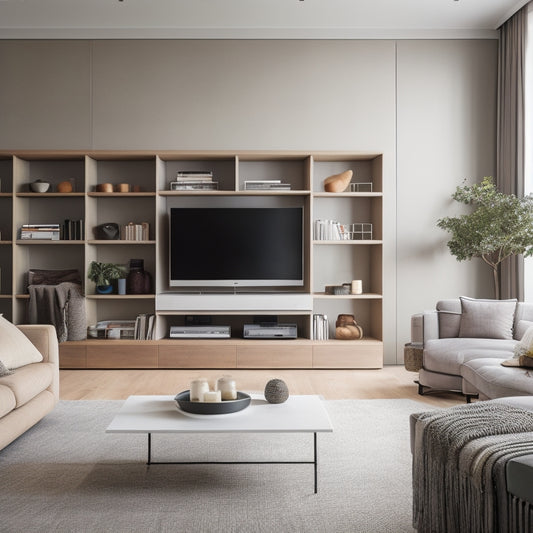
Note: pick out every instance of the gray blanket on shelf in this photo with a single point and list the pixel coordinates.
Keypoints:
(459, 465)
(61, 305)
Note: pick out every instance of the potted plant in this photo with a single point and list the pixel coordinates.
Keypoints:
(102, 274)
(499, 226)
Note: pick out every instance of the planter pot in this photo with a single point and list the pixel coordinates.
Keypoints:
(104, 289)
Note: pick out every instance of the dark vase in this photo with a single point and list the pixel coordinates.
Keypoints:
(135, 282)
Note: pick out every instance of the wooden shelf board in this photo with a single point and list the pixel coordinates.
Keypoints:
(120, 296)
(364, 296)
(348, 194)
(121, 194)
(119, 241)
(46, 241)
(349, 242)
(49, 194)
(6, 242)
(5, 296)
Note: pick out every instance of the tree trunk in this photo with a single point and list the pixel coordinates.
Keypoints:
(496, 278)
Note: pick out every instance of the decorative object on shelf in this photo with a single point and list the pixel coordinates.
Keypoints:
(64, 186)
(346, 328)
(135, 232)
(102, 274)
(104, 187)
(212, 408)
(357, 286)
(360, 231)
(121, 285)
(361, 187)
(106, 232)
(122, 187)
(39, 186)
(138, 281)
(338, 182)
(337, 289)
(53, 277)
(276, 391)
(320, 327)
(137, 188)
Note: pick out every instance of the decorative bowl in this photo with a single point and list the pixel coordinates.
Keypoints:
(39, 186)
(212, 408)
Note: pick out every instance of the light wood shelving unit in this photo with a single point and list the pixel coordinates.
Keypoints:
(325, 262)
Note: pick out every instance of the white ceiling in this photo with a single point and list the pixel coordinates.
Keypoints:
(330, 19)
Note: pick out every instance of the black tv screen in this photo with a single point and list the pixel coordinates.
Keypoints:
(236, 246)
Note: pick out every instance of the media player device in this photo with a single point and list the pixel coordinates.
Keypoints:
(270, 330)
(200, 332)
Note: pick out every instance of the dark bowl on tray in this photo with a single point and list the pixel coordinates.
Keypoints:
(183, 400)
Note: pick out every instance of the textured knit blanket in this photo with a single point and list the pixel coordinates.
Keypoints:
(61, 305)
(459, 461)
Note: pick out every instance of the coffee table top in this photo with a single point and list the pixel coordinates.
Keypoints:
(161, 414)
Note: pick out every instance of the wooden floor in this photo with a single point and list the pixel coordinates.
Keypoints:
(390, 382)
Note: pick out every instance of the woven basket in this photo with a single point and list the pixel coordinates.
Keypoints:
(412, 357)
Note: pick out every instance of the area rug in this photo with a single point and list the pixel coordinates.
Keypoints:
(67, 475)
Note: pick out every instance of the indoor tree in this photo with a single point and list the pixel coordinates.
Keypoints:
(499, 226)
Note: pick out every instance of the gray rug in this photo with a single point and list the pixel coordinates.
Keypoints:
(67, 475)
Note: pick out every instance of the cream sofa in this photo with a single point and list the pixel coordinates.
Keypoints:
(31, 391)
(452, 347)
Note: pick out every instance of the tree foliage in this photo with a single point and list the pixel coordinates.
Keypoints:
(500, 225)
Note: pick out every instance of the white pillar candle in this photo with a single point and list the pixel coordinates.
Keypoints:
(212, 396)
(357, 286)
(198, 388)
(227, 387)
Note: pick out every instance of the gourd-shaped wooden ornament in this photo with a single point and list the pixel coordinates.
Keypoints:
(338, 182)
(346, 328)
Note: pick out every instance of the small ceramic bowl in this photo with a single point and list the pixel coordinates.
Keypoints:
(39, 186)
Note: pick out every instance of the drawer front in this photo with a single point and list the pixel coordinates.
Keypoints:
(72, 356)
(349, 356)
(200, 356)
(121, 356)
(274, 356)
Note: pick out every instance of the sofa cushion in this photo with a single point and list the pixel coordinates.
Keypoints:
(447, 355)
(493, 380)
(487, 319)
(16, 349)
(4, 371)
(28, 381)
(7, 400)
(521, 327)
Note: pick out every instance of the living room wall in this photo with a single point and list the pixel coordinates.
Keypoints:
(428, 106)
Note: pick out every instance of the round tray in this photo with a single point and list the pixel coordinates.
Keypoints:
(212, 408)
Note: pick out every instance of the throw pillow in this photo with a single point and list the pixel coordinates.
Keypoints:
(521, 328)
(488, 319)
(16, 349)
(4, 371)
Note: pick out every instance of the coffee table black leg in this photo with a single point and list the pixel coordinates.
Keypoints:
(316, 464)
(149, 449)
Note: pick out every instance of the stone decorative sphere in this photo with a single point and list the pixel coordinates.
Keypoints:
(276, 391)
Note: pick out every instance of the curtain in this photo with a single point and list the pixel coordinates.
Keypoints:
(510, 133)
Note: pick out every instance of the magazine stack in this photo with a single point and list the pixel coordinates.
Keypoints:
(194, 180)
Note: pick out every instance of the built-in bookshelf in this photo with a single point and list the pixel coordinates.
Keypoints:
(141, 193)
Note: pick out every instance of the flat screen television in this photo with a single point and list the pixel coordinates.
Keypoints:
(236, 246)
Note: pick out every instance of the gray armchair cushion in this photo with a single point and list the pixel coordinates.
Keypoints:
(488, 319)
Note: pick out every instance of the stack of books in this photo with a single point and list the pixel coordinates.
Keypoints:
(330, 230)
(320, 327)
(73, 230)
(48, 232)
(144, 327)
(135, 232)
(194, 180)
(266, 185)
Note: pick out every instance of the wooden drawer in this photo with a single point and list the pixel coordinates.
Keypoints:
(358, 354)
(197, 356)
(72, 356)
(122, 355)
(272, 355)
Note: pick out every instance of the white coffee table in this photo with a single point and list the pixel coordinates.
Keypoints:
(161, 414)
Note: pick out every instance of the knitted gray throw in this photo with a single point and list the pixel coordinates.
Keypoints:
(459, 462)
